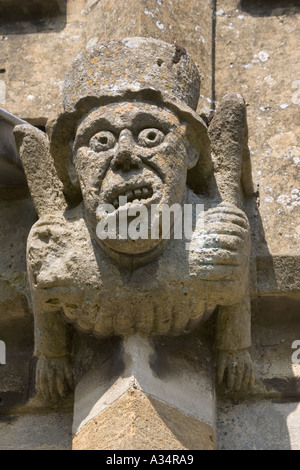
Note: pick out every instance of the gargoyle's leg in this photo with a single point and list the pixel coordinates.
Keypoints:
(53, 373)
(233, 338)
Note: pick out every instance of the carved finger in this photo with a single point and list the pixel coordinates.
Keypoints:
(227, 208)
(232, 219)
(217, 256)
(252, 378)
(38, 379)
(239, 376)
(231, 375)
(52, 384)
(45, 187)
(219, 272)
(247, 376)
(43, 387)
(61, 385)
(225, 242)
(69, 377)
(220, 229)
(221, 368)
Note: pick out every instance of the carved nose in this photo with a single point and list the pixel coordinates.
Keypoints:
(125, 159)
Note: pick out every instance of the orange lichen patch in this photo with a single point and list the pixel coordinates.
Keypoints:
(73, 97)
(94, 60)
(90, 82)
(106, 53)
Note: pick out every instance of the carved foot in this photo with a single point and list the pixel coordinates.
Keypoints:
(54, 379)
(234, 369)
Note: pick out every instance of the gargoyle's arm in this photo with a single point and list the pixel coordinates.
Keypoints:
(53, 374)
(44, 185)
(230, 154)
(228, 134)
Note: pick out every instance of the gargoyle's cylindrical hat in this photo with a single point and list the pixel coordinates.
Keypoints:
(144, 69)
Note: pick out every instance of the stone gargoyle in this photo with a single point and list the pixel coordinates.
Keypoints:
(130, 129)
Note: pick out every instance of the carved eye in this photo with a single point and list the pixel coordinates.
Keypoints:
(103, 140)
(150, 137)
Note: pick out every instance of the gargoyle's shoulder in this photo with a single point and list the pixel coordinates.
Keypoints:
(60, 251)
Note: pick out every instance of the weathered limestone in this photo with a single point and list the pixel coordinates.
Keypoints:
(129, 140)
(259, 425)
(12, 10)
(43, 431)
(11, 173)
(244, 31)
(265, 71)
(37, 54)
(147, 394)
(34, 57)
(190, 28)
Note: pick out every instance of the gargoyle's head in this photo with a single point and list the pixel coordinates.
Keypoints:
(130, 133)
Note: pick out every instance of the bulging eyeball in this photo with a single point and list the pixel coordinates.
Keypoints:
(103, 140)
(150, 137)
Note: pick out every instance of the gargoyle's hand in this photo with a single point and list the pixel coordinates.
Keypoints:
(234, 368)
(45, 187)
(225, 244)
(54, 379)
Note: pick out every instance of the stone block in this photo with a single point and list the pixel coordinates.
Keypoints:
(163, 398)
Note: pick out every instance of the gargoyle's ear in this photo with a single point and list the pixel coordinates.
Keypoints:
(200, 165)
(193, 146)
(71, 168)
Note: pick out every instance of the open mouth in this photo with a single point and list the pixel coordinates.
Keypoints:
(139, 194)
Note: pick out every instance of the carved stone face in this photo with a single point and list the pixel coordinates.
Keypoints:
(132, 149)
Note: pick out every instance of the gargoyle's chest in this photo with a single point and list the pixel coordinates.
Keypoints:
(155, 299)
(162, 297)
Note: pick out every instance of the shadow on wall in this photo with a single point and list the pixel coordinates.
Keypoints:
(270, 7)
(267, 419)
(32, 16)
(260, 425)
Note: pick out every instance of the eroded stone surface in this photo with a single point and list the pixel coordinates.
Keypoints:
(272, 41)
(141, 136)
(265, 71)
(137, 422)
(260, 425)
(50, 431)
(147, 364)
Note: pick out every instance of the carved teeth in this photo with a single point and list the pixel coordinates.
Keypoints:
(134, 195)
(137, 193)
(129, 195)
(145, 193)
